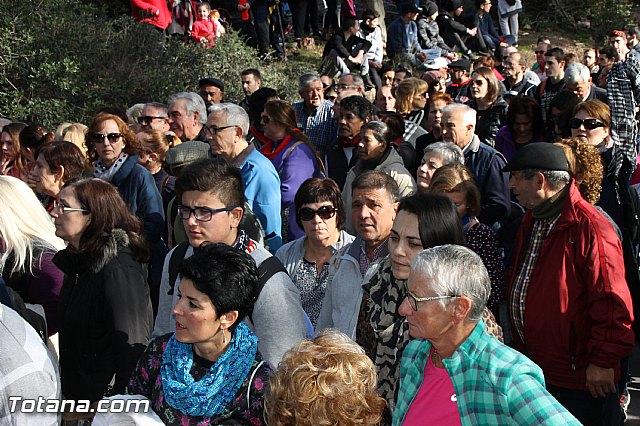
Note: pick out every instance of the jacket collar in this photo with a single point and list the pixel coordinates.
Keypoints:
(72, 263)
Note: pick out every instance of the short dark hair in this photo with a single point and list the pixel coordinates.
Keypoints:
(227, 275)
(370, 14)
(557, 53)
(377, 180)
(358, 105)
(65, 154)
(213, 175)
(634, 31)
(34, 136)
(252, 71)
(610, 52)
(394, 122)
(317, 190)
(348, 22)
(438, 221)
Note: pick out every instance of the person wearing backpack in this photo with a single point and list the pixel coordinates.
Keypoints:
(212, 196)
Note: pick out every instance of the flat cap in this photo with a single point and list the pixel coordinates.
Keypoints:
(462, 63)
(186, 153)
(539, 155)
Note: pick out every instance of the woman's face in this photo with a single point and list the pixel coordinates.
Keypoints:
(430, 163)
(440, 86)
(108, 142)
(523, 128)
(435, 113)
(479, 86)
(71, 224)
(369, 148)
(272, 129)
(595, 136)
(404, 243)
(197, 322)
(318, 228)
(431, 321)
(459, 199)
(8, 148)
(419, 101)
(47, 181)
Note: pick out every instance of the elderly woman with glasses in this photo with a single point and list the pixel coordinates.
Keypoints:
(453, 372)
(321, 213)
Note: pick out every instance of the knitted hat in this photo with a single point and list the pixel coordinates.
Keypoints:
(452, 5)
(428, 8)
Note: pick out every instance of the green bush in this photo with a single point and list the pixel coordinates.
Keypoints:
(61, 60)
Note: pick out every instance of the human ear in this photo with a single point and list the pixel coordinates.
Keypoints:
(228, 319)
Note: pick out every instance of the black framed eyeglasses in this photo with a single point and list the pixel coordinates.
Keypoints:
(325, 212)
(147, 119)
(213, 130)
(100, 137)
(64, 209)
(201, 214)
(588, 123)
(413, 299)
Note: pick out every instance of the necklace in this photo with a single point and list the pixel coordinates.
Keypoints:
(436, 358)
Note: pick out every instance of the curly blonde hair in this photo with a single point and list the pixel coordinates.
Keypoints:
(325, 381)
(585, 166)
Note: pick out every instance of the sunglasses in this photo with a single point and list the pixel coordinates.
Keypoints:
(539, 52)
(325, 212)
(588, 123)
(99, 137)
(147, 119)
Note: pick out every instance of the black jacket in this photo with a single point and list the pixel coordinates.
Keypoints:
(337, 165)
(429, 35)
(452, 31)
(105, 319)
(489, 121)
(345, 48)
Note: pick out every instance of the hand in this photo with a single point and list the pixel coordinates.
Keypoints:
(32, 180)
(472, 32)
(421, 56)
(600, 381)
(375, 65)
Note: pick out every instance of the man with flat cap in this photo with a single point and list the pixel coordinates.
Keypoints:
(569, 304)
(211, 90)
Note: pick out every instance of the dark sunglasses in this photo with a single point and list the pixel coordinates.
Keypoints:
(99, 137)
(147, 119)
(588, 123)
(539, 52)
(325, 212)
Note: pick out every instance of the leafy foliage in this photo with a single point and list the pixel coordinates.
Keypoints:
(61, 60)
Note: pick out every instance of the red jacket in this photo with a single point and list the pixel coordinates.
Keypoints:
(578, 307)
(154, 12)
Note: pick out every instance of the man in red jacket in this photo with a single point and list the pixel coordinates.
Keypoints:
(569, 303)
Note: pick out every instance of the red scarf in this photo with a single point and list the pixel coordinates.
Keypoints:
(349, 143)
(259, 135)
(267, 149)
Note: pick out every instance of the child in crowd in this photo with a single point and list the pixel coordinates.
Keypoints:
(218, 28)
(204, 29)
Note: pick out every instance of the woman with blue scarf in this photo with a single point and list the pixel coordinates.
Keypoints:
(209, 371)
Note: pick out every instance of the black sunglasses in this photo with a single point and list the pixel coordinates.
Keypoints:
(588, 123)
(325, 212)
(147, 119)
(99, 137)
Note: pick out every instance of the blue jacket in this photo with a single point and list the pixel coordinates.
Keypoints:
(402, 38)
(138, 189)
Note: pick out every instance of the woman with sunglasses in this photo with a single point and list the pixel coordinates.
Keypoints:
(320, 212)
(293, 156)
(105, 316)
(424, 220)
(484, 89)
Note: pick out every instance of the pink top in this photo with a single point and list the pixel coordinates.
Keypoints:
(435, 403)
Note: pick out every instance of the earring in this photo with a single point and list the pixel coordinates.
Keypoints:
(224, 336)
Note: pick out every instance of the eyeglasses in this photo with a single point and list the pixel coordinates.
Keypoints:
(213, 130)
(147, 119)
(325, 212)
(330, 98)
(202, 214)
(588, 123)
(413, 299)
(539, 52)
(99, 137)
(341, 87)
(265, 119)
(64, 209)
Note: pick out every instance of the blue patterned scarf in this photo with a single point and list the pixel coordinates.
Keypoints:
(210, 395)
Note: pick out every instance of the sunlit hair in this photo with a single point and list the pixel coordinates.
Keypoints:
(65, 154)
(440, 97)
(325, 381)
(74, 133)
(132, 145)
(596, 109)
(585, 166)
(457, 178)
(13, 130)
(155, 141)
(26, 228)
(34, 136)
(493, 85)
(484, 61)
(408, 89)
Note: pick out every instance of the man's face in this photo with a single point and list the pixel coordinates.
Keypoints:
(180, 123)
(211, 95)
(459, 75)
(458, 11)
(373, 214)
(486, 6)
(156, 119)
(249, 84)
(222, 141)
(222, 228)
(541, 48)
(349, 124)
(512, 67)
(385, 100)
(581, 88)
(525, 190)
(398, 77)
(589, 58)
(620, 44)
(454, 130)
(388, 78)
(553, 68)
(346, 87)
(313, 95)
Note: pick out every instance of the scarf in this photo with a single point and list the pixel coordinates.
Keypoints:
(349, 143)
(210, 395)
(267, 149)
(101, 171)
(259, 135)
(552, 206)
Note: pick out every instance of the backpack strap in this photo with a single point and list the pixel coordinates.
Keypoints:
(175, 261)
(267, 269)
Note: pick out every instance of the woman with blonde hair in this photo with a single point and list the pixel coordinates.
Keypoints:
(325, 381)
(29, 243)
(12, 161)
(411, 100)
(74, 133)
(154, 151)
(486, 100)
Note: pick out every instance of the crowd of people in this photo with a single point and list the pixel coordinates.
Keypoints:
(449, 241)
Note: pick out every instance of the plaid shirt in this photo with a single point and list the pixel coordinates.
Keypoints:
(494, 384)
(320, 127)
(541, 229)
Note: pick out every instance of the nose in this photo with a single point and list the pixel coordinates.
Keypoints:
(511, 182)
(405, 310)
